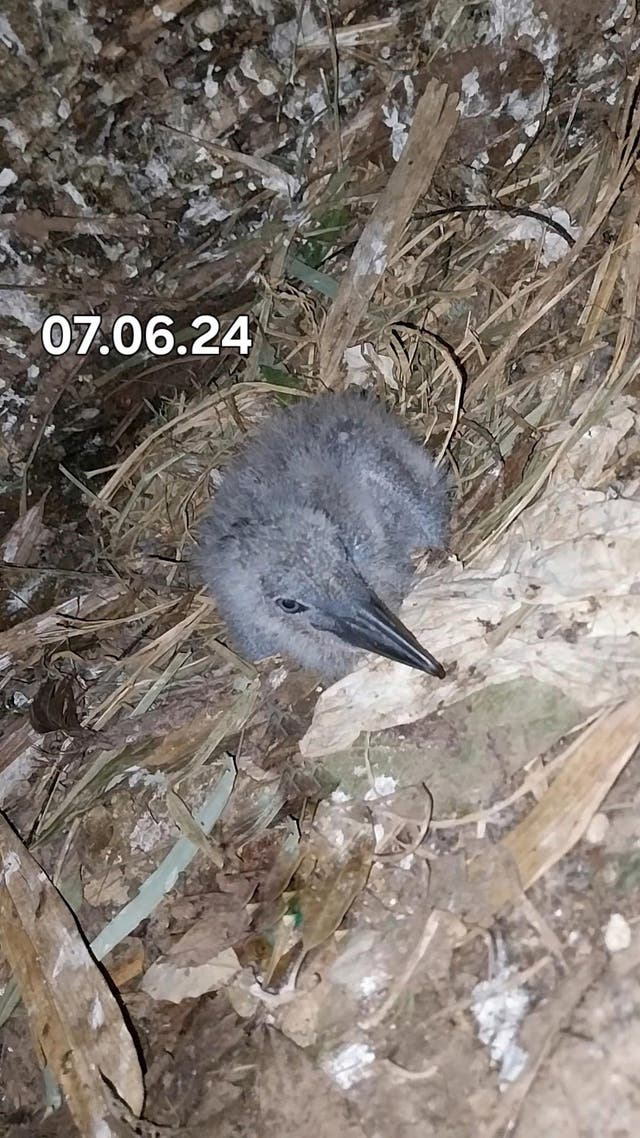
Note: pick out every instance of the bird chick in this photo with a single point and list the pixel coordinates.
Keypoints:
(307, 547)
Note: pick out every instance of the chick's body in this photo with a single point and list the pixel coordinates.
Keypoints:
(325, 505)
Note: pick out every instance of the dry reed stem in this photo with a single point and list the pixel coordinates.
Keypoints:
(57, 624)
(434, 121)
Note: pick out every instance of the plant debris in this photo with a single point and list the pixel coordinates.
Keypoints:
(398, 904)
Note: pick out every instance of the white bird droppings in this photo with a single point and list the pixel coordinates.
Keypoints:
(617, 934)
(350, 1064)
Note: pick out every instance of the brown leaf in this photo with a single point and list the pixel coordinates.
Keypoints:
(25, 536)
(281, 944)
(179, 745)
(169, 980)
(204, 958)
(326, 902)
(226, 921)
(54, 707)
(282, 869)
(592, 764)
(75, 1021)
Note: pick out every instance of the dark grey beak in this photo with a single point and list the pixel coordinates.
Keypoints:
(372, 626)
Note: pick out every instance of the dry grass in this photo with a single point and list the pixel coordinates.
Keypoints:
(473, 395)
(489, 347)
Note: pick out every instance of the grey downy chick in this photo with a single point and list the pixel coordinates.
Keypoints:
(307, 547)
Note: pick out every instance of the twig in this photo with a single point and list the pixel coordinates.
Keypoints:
(428, 933)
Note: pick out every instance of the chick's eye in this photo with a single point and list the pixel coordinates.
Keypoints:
(287, 604)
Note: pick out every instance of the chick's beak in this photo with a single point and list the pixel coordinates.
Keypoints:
(372, 626)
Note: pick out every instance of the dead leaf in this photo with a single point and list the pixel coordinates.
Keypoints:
(284, 866)
(202, 960)
(325, 902)
(181, 744)
(265, 804)
(191, 829)
(324, 880)
(25, 537)
(594, 762)
(301, 1019)
(74, 1018)
(554, 599)
(54, 707)
(111, 888)
(169, 980)
(281, 944)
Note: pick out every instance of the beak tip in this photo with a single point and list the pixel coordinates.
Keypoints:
(376, 629)
(428, 664)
